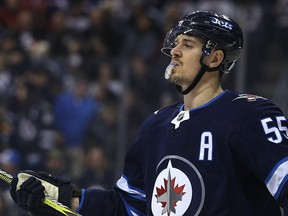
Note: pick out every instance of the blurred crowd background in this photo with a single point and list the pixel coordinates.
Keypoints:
(78, 77)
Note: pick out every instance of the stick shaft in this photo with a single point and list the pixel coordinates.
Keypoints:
(5, 176)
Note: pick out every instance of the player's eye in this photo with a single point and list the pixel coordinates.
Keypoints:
(188, 45)
(183, 44)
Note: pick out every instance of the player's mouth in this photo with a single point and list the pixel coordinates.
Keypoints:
(176, 62)
(168, 71)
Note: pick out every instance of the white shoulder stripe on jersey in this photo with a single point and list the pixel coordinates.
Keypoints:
(277, 177)
(123, 185)
(134, 214)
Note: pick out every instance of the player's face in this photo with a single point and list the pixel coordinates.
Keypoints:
(186, 56)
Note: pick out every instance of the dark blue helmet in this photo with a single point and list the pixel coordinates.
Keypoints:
(216, 30)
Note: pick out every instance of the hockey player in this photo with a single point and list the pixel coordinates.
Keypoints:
(216, 152)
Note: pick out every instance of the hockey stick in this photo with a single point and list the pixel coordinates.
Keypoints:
(52, 203)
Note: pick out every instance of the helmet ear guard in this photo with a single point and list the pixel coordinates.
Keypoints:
(208, 47)
(206, 51)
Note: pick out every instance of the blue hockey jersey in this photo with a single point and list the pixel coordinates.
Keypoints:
(227, 157)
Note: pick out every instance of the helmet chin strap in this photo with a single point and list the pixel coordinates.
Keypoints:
(200, 74)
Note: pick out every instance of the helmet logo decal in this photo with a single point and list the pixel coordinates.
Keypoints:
(210, 44)
(221, 23)
(178, 188)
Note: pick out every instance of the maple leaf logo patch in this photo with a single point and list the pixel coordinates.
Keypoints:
(169, 195)
(172, 192)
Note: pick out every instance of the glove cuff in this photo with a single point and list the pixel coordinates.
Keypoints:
(65, 194)
(77, 193)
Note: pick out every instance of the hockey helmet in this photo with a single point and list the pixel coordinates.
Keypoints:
(216, 30)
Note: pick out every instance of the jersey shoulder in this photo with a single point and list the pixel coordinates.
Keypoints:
(248, 97)
(252, 105)
(160, 117)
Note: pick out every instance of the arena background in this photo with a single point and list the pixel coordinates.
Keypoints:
(78, 77)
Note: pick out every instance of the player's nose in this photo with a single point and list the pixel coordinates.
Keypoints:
(175, 52)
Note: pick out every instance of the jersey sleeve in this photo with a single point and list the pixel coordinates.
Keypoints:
(262, 145)
(100, 202)
(131, 185)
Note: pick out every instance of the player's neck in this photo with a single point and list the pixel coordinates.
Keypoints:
(202, 94)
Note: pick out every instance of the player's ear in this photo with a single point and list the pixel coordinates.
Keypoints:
(216, 59)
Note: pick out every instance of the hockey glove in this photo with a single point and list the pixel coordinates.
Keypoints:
(30, 197)
(29, 189)
(55, 188)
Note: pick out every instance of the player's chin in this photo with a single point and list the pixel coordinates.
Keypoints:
(176, 79)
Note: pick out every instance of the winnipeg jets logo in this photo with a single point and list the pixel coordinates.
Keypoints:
(222, 23)
(179, 188)
(172, 192)
(169, 194)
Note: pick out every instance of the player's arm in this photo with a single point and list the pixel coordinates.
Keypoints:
(29, 189)
(262, 144)
(75, 201)
(127, 198)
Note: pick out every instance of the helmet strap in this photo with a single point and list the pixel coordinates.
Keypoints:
(200, 74)
(194, 83)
